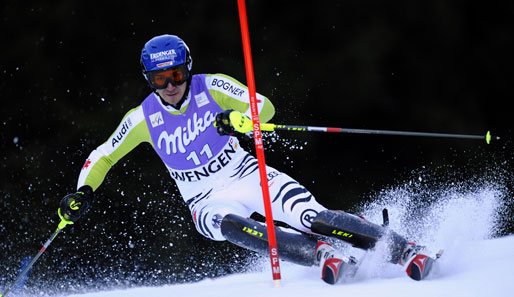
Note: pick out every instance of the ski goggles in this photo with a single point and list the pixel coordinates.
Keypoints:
(176, 76)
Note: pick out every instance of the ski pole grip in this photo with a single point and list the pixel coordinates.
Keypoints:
(61, 226)
(267, 127)
(63, 222)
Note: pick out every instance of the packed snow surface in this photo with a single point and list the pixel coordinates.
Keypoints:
(463, 223)
(482, 269)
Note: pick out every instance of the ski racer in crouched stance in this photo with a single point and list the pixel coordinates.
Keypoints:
(192, 122)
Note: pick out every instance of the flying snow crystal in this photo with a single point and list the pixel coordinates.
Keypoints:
(15, 140)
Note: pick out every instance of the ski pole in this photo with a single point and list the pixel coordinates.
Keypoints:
(61, 226)
(273, 127)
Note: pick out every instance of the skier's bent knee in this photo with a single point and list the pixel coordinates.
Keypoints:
(208, 218)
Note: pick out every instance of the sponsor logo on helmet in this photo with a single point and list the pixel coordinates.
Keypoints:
(165, 64)
(168, 55)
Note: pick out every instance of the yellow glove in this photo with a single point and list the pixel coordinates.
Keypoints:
(232, 122)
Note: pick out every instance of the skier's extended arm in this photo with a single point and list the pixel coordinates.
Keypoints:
(234, 98)
(129, 134)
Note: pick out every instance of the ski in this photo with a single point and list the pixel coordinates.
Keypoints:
(335, 267)
(363, 234)
(293, 247)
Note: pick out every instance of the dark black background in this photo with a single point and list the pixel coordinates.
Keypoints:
(70, 71)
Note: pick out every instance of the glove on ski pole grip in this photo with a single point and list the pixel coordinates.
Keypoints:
(73, 206)
(232, 122)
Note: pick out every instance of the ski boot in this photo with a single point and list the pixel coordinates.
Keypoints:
(416, 261)
(334, 265)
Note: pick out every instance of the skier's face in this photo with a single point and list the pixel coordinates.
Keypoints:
(172, 94)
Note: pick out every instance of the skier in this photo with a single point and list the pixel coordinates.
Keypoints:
(192, 122)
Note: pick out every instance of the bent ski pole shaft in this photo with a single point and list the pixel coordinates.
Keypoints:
(61, 226)
(259, 148)
(273, 127)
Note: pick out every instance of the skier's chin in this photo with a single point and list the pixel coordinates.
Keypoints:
(171, 98)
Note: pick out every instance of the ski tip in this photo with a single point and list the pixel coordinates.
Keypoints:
(439, 254)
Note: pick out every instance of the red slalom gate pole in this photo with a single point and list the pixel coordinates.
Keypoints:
(273, 250)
